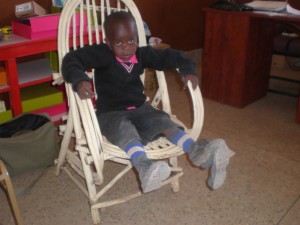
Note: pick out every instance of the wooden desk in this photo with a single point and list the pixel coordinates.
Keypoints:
(237, 55)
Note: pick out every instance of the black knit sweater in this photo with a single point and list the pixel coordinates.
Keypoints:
(116, 88)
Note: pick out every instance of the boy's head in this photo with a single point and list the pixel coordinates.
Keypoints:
(121, 34)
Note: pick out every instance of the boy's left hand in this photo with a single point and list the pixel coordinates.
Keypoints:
(189, 77)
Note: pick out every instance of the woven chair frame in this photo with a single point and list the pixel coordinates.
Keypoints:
(85, 164)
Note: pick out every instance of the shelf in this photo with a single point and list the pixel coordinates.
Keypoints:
(34, 72)
(30, 73)
(13, 50)
(12, 39)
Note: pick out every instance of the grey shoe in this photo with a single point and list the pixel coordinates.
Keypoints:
(220, 161)
(152, 177)
(201, 154)
(214, 154)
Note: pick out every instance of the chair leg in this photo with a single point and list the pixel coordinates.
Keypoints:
(95, 216)
(64, 145)
(91, 186)
(11, 195)
(175, 183)
(14, 203)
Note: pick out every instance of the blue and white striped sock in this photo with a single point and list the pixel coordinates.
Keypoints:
(182, 139)
(136, 152)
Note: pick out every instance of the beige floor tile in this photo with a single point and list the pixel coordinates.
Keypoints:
(268, 124)
(259, 189)
(293, 215)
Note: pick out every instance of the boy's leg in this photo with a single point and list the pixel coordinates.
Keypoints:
(214, 154)
(151, 173)
(119, 130)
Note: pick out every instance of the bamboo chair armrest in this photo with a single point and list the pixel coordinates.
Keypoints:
(198, 111)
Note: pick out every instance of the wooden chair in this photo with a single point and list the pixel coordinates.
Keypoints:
(92, 150)
(9, 191)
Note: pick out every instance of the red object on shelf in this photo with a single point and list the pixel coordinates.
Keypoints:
(55, 112)
(40, 26)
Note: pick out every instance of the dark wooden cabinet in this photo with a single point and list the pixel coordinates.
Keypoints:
(237, 55)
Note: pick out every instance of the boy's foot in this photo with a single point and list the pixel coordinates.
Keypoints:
(220, 162)
(152, 177)
(201, 155)
(215, 154)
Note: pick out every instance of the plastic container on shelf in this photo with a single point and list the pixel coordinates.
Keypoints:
(40, 96)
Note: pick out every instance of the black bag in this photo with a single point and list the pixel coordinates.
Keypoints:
(28, 142)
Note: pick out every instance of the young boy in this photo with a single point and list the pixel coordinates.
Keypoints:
(125, 118)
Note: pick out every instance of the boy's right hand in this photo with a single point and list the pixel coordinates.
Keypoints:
(85, 90)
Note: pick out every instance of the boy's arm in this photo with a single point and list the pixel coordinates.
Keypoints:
(76, 63)
(74, 68)
(171, 59)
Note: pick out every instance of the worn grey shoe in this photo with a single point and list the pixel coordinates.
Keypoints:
(220, 161)
(214, 154)
(152, 177)
(202, 153)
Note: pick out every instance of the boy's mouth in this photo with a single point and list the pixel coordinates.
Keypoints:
(126, 57)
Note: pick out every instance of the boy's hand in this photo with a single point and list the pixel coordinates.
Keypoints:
(84, 90)
(189, 77)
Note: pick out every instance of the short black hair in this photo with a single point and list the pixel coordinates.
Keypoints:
(117, 17)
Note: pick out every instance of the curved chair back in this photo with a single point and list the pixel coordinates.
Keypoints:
(80, 24)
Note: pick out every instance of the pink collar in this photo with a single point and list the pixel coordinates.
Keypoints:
(133, 59)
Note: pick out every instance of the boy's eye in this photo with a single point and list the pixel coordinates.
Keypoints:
(117, 43)
(131, 41)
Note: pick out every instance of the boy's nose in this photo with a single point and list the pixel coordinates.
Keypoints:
(125, 46)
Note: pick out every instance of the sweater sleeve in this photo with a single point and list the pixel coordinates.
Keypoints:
(77, 62)
(159, 59)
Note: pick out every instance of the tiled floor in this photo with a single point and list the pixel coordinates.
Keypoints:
(262, 186)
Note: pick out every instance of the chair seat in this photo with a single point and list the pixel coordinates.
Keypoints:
(160, 148)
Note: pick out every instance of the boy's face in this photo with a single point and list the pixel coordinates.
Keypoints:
(122, 39)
